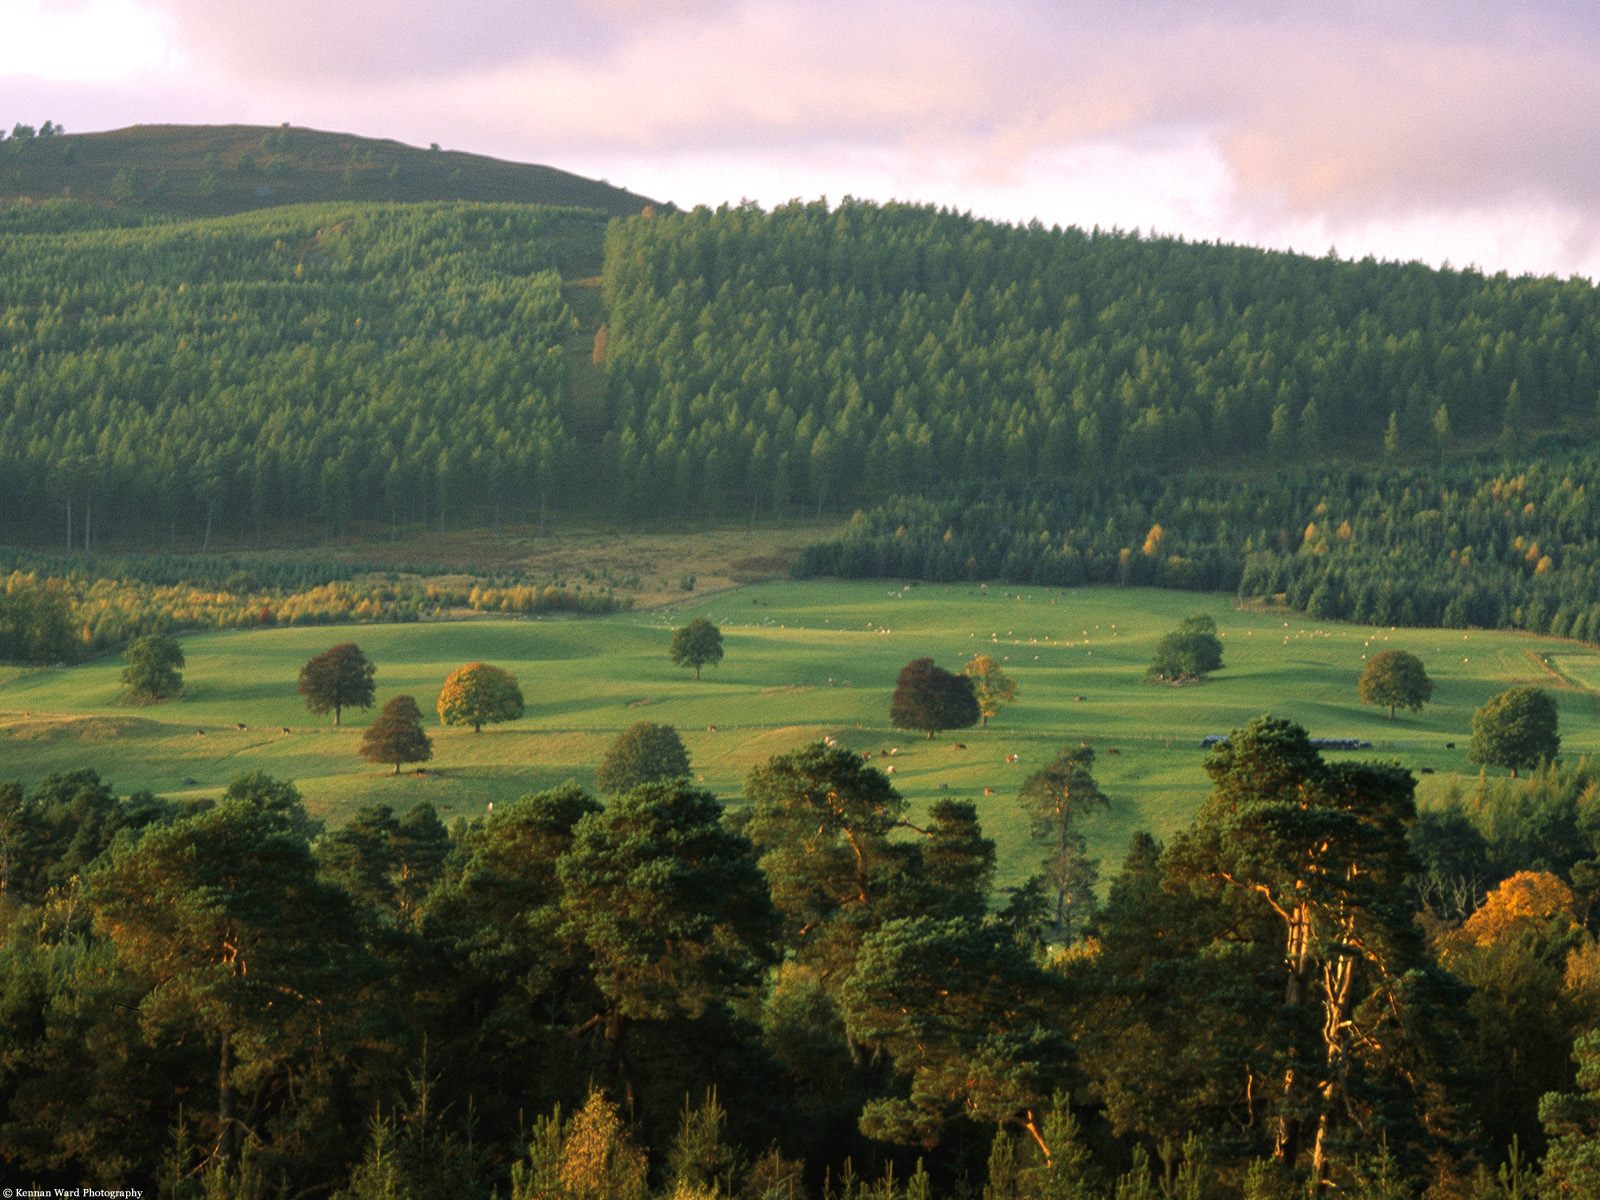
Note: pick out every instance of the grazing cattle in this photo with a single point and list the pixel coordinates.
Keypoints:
(238, 724)
(286, 729)
(1449, 745)
(889, 770)
(1011, 758)
(1112, 750)
(1427, 770)
(944, 787)
(961, 745)
(988, 791)
(711, 728)
(866, 756)
(199, 733)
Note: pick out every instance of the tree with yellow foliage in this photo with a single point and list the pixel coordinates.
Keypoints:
(478, 695)
(990, 684)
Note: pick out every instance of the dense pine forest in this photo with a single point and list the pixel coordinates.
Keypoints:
(834, 356)
(577, 997)
(1465, 544)
(303, 369)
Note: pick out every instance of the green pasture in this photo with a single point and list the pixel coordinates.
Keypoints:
(804, 660)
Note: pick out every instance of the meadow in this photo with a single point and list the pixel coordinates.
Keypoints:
(803, 661)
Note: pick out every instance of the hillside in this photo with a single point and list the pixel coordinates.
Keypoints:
(213, 170)
(1142, 410)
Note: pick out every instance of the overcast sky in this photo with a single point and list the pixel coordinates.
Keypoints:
(1446, 130)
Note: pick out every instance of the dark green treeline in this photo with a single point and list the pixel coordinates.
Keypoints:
(418, 364)
(317, 365)
(1467, 544)
(824, 358)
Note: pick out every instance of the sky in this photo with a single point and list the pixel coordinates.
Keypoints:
(1453, 131)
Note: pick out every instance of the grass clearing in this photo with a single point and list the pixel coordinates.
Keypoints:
(803, 660)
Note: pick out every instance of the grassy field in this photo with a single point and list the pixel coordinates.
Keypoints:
(804, 660)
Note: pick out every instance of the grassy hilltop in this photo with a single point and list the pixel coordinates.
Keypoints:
(804, 660)
(214, 170)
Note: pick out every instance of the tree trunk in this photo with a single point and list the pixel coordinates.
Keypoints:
(1338, 1011)
(697, 676)
(615, 1028)
(336, 710)
(397, 766)
(1286, 1142)
(227, 1136)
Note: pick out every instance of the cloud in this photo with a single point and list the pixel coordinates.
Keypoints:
(1273, 115)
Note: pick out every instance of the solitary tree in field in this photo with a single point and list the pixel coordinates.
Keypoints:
(1189, 652)
(478, 695)
(337, 679)
(642, 753)
(1395, 678)
(926, 696)
(990, 684)
(154, 665)
(1515, 729)
(397, 735)
(697, 644)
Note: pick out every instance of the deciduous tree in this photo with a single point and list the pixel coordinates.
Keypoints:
(927, 697)
(1515, 729)
(1395, 678)
(1191, 651)
(155, 663)
(397, 735)
(697, 644)
(338, 678)
(990, 684)
(479, 694)
(642, 753)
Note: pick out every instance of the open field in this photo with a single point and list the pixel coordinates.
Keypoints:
(803, 660)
